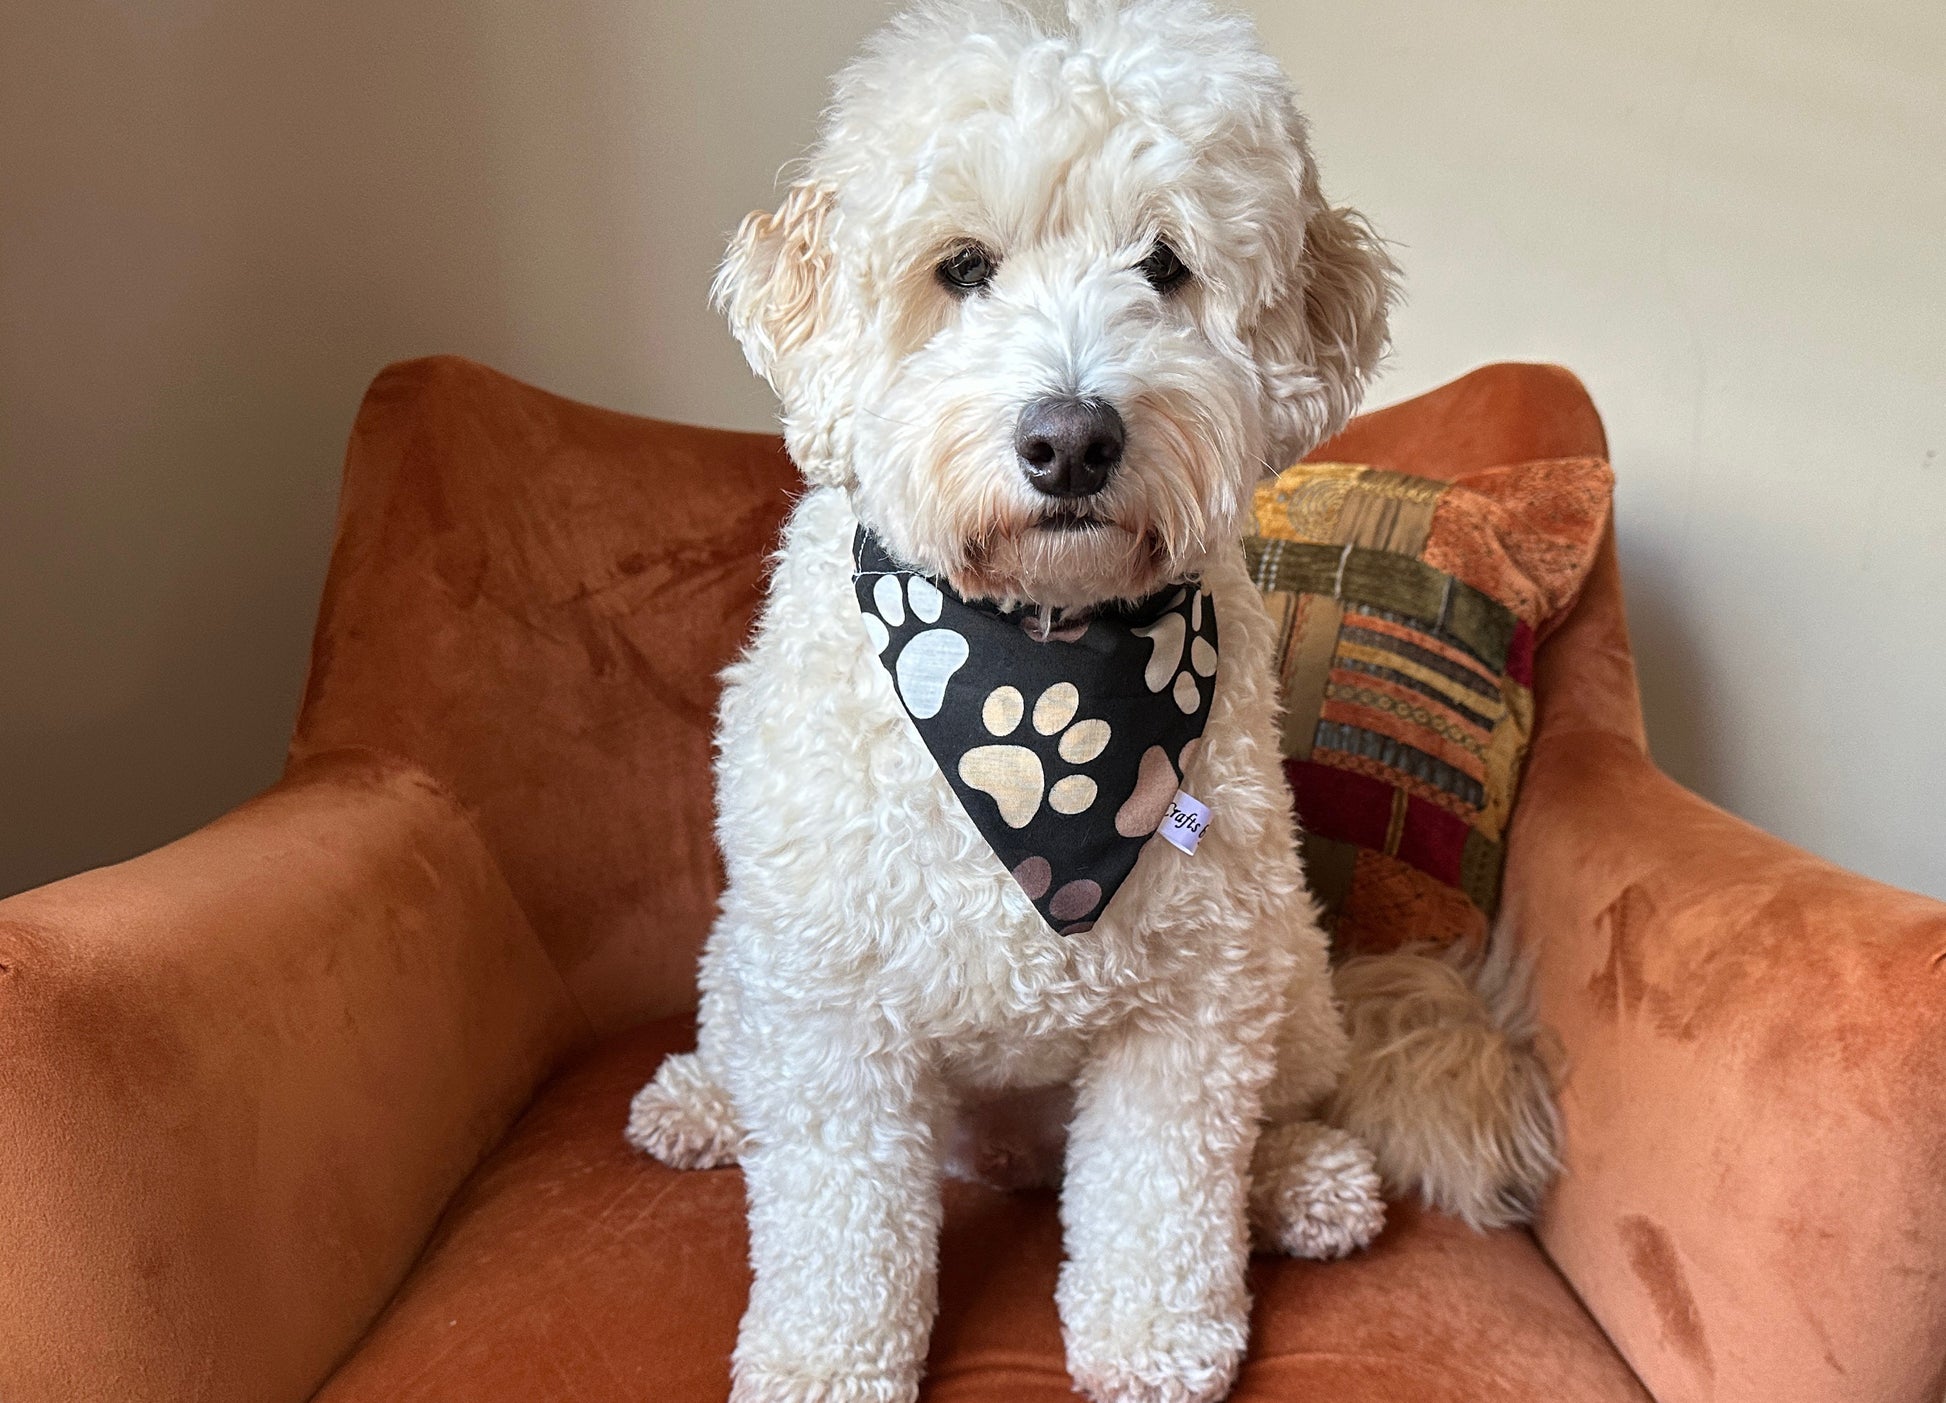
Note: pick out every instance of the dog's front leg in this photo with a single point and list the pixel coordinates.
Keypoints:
(1153, 1301)
(842, 1173)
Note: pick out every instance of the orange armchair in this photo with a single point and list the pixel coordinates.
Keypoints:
(326, 1099)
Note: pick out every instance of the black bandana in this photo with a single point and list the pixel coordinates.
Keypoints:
(1065, 749)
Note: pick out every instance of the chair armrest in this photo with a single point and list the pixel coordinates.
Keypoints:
(239, 1078)
(1754, 1094)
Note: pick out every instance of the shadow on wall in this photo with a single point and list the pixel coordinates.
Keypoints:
(222, 225)
(219, 220)
(1679, 706)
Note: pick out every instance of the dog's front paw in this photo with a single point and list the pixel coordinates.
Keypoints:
(684, 1118)
(1195, 1365)
(1314, 1191)
(760, 1384)
(1126, 1342)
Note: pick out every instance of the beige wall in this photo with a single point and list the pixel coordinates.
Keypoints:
(218, 218)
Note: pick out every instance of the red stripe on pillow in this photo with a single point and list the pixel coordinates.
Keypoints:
(1434, 841)
(1520, 656)
(1338, 804)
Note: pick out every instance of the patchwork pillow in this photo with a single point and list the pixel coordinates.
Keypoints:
(1407, 612)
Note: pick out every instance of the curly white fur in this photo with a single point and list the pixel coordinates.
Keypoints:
(874, 967)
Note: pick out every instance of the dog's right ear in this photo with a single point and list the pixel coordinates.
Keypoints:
(774, 282)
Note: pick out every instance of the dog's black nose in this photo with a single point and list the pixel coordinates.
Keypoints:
(1069, 447)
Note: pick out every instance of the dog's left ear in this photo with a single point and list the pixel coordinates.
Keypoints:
(773, 283)
(1318, 345)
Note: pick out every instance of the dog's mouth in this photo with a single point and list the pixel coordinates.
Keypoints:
(1066, 558)
(1066, 519)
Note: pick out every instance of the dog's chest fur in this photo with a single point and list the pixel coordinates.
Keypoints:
(847, 848)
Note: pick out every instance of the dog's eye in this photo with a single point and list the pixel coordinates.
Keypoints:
(967, 269)
(1163, 269)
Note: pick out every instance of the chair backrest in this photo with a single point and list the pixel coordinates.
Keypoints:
(531, 598)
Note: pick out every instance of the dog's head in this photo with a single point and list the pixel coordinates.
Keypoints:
(1050, 302)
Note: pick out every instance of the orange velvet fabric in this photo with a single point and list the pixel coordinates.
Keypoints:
(574, 1267)
(530, 599)
(1504, 413)
(240, 1076)
(1755, 1203)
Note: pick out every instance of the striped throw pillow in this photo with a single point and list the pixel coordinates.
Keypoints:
(1407, 612)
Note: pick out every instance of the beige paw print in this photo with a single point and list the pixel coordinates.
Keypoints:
(1167, 636)
(1013, 775)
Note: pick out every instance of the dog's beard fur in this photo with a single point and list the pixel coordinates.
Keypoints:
(939, 480)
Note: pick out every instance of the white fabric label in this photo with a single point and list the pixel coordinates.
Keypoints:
(1185, 823)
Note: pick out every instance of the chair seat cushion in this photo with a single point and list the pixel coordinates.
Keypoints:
(571, 1266)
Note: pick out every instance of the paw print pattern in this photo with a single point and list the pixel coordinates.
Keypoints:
(928, 661)
(1013, 775)
(1170, 638)
(1064, 740)
(925, 666)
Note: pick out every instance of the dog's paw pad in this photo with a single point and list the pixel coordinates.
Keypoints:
(1013, 776)
(1166, 637)
(925, 666)
(925, 598)
(1056, 707)
(1000, 713)
(1010, 775)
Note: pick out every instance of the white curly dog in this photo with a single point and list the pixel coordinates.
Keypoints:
(1045, 303)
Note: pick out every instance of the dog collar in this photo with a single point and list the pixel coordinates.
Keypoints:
(1065, 744)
